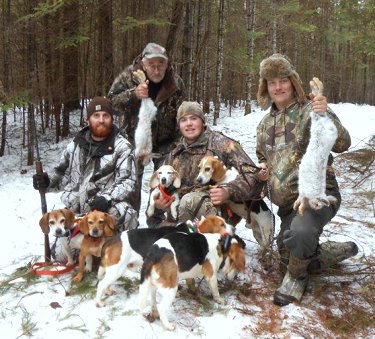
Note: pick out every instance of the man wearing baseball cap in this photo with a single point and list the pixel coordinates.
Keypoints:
(166, 90)
(96, 170)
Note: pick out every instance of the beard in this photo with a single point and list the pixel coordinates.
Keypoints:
(101, 131)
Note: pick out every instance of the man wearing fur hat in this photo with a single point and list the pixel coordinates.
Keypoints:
(163, 86)
(197, 141)
(282, 140)
(96, 170)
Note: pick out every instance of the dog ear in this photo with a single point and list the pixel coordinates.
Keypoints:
(109, 228)
(43, 223)
(177, 179)
(154, 180)
(69, 218)
(218, 170)
(83, 225)
(237, 255)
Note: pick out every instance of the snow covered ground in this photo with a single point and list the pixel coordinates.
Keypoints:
(337, 303)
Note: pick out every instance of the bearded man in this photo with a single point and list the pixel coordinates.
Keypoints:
(97, 169)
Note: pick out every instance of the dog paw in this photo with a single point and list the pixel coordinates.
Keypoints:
(78, 278)
(168, 326)
(88, 269)
(100, 304)
(219, 300)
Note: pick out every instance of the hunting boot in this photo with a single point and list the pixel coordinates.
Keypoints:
(294, 283)
(330, 253)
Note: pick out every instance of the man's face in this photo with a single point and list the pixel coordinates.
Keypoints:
(191, 127)
(281, 91)
(100, 125)
(155, 69)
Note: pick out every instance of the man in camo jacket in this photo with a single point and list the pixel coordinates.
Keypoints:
(164, 87)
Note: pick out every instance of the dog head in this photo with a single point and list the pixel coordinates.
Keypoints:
(58, 221)
(210, 169)
(235, 257)
(214, 224)
(165, 176)
(97, 224)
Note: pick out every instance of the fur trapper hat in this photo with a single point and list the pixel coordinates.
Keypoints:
(99, 104)
(190, 108)
(277, 66)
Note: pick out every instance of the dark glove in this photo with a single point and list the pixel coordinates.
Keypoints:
(99, 204)
(301, 244)
(41, 181)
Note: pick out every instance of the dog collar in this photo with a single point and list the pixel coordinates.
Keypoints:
(164, 193)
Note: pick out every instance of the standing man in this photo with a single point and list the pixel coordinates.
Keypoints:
(164, 87)
(282, 138)
(97, 169)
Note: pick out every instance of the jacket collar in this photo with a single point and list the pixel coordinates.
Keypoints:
(96, 148)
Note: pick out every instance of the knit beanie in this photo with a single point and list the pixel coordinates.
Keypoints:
(277, 66)
(99, 104)
(190, 108)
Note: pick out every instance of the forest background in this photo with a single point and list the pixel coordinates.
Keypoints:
(57, 54)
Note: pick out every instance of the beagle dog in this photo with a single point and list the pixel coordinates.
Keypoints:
(186, 256)
(96, 227)
(62, 224)
(164, 181)
(212, 171)
(129, 250)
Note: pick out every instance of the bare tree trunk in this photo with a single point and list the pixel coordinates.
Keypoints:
(206, 61)
(250, 27)
(274, 26)
(70, 64)
(188, 47)
(219, 62)
(176, 20)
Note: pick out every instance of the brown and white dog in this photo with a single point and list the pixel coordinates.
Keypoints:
(62, 224)
(97, 227)
(213, 172)
(129, 250)
(186, 256)
(164, 181)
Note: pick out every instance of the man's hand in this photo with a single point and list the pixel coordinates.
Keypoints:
(219, 195)
(162, 203)
(319, 103)
(141, 91)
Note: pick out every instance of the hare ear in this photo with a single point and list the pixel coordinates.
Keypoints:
(43, 223)
(69, 218)
(177, 180)
(154, 180)
(83, 225)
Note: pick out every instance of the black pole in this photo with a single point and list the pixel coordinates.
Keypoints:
(42, 191)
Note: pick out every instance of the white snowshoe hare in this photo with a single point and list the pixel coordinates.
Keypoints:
(143, 133)
(312, 170)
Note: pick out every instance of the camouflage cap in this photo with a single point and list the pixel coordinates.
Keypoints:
(153, 50)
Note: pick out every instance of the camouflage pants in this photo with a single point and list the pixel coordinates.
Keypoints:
(194, 205)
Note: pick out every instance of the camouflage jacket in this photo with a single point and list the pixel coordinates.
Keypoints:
(185, 159)
(87, 169)
(171, 94)
(282, 139)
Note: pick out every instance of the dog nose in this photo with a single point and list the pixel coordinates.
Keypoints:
(199, 180)
(59, 232)
(163, 180)
(94, 232)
